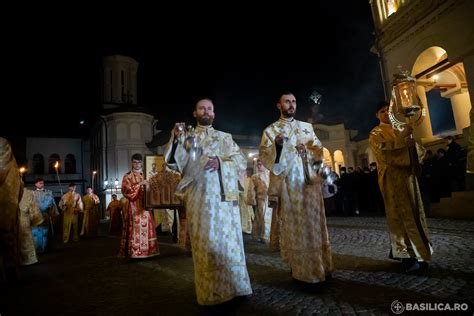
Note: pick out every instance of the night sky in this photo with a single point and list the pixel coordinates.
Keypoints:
(242, 59)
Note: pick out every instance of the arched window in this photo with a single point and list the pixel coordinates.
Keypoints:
(327, 157)
(38, 164)
(52, 161)
(70, 164)
(338, 160)
(388, 7)
(392, 6)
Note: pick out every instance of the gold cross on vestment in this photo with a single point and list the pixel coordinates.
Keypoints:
(306, 131)
(215, 138)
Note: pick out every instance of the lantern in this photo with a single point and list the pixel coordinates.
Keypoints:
(405, 106)
(406, 109)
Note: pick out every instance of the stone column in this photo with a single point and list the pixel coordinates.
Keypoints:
(424, 130)
(461, 106)
(469, 70)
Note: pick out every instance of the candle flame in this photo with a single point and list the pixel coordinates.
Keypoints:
(94, 172)
(56, 165)
(22, 170)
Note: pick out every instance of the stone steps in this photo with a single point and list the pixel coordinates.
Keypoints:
(460, 206)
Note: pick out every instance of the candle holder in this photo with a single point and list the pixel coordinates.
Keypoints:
(56, 167)
(405, 106)
(406, 109)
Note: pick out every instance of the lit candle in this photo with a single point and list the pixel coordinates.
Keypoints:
(93, 176)
(56, 166)
(22, 171)
(405, 99)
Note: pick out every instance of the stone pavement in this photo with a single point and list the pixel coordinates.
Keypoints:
(87, 278)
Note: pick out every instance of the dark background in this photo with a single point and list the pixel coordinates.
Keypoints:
(241, 57)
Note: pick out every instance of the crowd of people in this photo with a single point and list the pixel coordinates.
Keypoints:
(32, 223)
(443, 172)
(354, 192)
(283, 204)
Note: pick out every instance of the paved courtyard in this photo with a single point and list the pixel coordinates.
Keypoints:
(87, 278)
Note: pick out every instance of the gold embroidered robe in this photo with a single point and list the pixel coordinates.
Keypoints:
(304, 239)
(403, 205)
(91, 219)
(246, 210)
(71, 204)
(11, 190)
(114, 210)
(258, 197)
(213, 224)
(30, 216)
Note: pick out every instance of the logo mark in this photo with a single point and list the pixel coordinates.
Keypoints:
(397, 307)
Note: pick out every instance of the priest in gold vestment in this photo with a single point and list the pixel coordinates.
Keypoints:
(11, 191)
(30, 216)
(71, 205)
(209, 188)
(258, 198)
(304, 239)
(403, 205)
(91, 219)
(246, 210)
(114, 211)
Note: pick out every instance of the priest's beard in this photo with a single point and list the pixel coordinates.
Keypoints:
(288, 114)
(205, 120)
